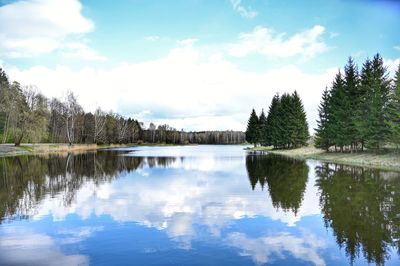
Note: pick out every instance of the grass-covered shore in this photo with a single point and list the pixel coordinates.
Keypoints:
(47, 148)
(25, 149)
(387, 159)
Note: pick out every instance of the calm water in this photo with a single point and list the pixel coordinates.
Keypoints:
(195, 205)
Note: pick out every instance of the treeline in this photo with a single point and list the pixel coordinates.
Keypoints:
(360, 109)
(26, 115)
(285, 126)
(169, 135)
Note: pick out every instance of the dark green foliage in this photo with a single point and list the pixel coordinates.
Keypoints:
(377, 129)
(323, 136)
(369, 224)
(394, 110)
(285, 179)
(359, 110)
(262, 123)
(286, 124)
(252, 131)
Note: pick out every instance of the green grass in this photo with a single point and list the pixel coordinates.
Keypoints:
(388, 159)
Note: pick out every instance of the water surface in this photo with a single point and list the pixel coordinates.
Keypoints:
(195, 205)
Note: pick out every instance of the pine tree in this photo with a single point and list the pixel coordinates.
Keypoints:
(285, 127)
(378, 130)
(354, 96)
(271, 130)
(394, 110)
(323, 135)
(252, 131)
(262, 124)
(362, 113)
(299, 125)
(339, 110)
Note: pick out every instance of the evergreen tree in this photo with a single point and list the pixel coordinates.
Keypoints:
(262, 124)
(394, 110)
(354, 96)
(252, 131)
(271, 131)
(323, 135)
(378, 130)
(299, 134)
(285, 127)
(339, 109)
(362, 113)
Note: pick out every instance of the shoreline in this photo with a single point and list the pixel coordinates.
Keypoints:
(52, 148)
(385, 160)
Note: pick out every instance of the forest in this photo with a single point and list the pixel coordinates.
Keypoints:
(361, 109)
(26, 115)
(285, 126)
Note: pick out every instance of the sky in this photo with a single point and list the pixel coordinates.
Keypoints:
(193, 64)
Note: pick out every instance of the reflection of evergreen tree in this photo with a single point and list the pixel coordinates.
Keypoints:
(26, 180)
(286, 179)
(362, 207)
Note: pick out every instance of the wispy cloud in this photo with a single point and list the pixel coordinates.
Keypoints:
(397, 47)
(265, 41)
(81, 50)
(152, 38)
(246, 12)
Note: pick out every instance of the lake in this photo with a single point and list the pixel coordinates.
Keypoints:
(195, 205)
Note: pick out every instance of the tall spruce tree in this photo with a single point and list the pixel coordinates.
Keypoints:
(394, 110)
(339, 110)
(378, 130)
(252, 131)
(323, 135)
(354, 96)
(271, 130)
(285, 127)
(262, 124)
(362, 113)
(299, 134)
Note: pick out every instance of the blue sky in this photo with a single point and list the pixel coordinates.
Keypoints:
(198, 64)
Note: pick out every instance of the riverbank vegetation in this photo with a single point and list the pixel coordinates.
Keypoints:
(26, 115)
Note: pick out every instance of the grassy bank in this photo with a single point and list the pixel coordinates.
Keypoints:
(388, 159)
(11, 150)
(48, 148)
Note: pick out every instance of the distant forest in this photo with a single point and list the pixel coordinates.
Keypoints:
(26, 115)
(360, 109)
(285, 126)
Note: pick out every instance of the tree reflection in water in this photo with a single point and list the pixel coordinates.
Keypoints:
(286, 179)
(362, 206)
(26, 180)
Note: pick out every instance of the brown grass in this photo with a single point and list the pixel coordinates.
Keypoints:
(388, 159)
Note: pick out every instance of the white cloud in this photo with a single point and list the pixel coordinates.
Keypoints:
(35, 27)
(17, 248)
(397, 47)
(245, 12)
(186, 88)
(263, 249)
(392, 65)
(265, 41)
(188, 42)
(81, 51)
(152, 38)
